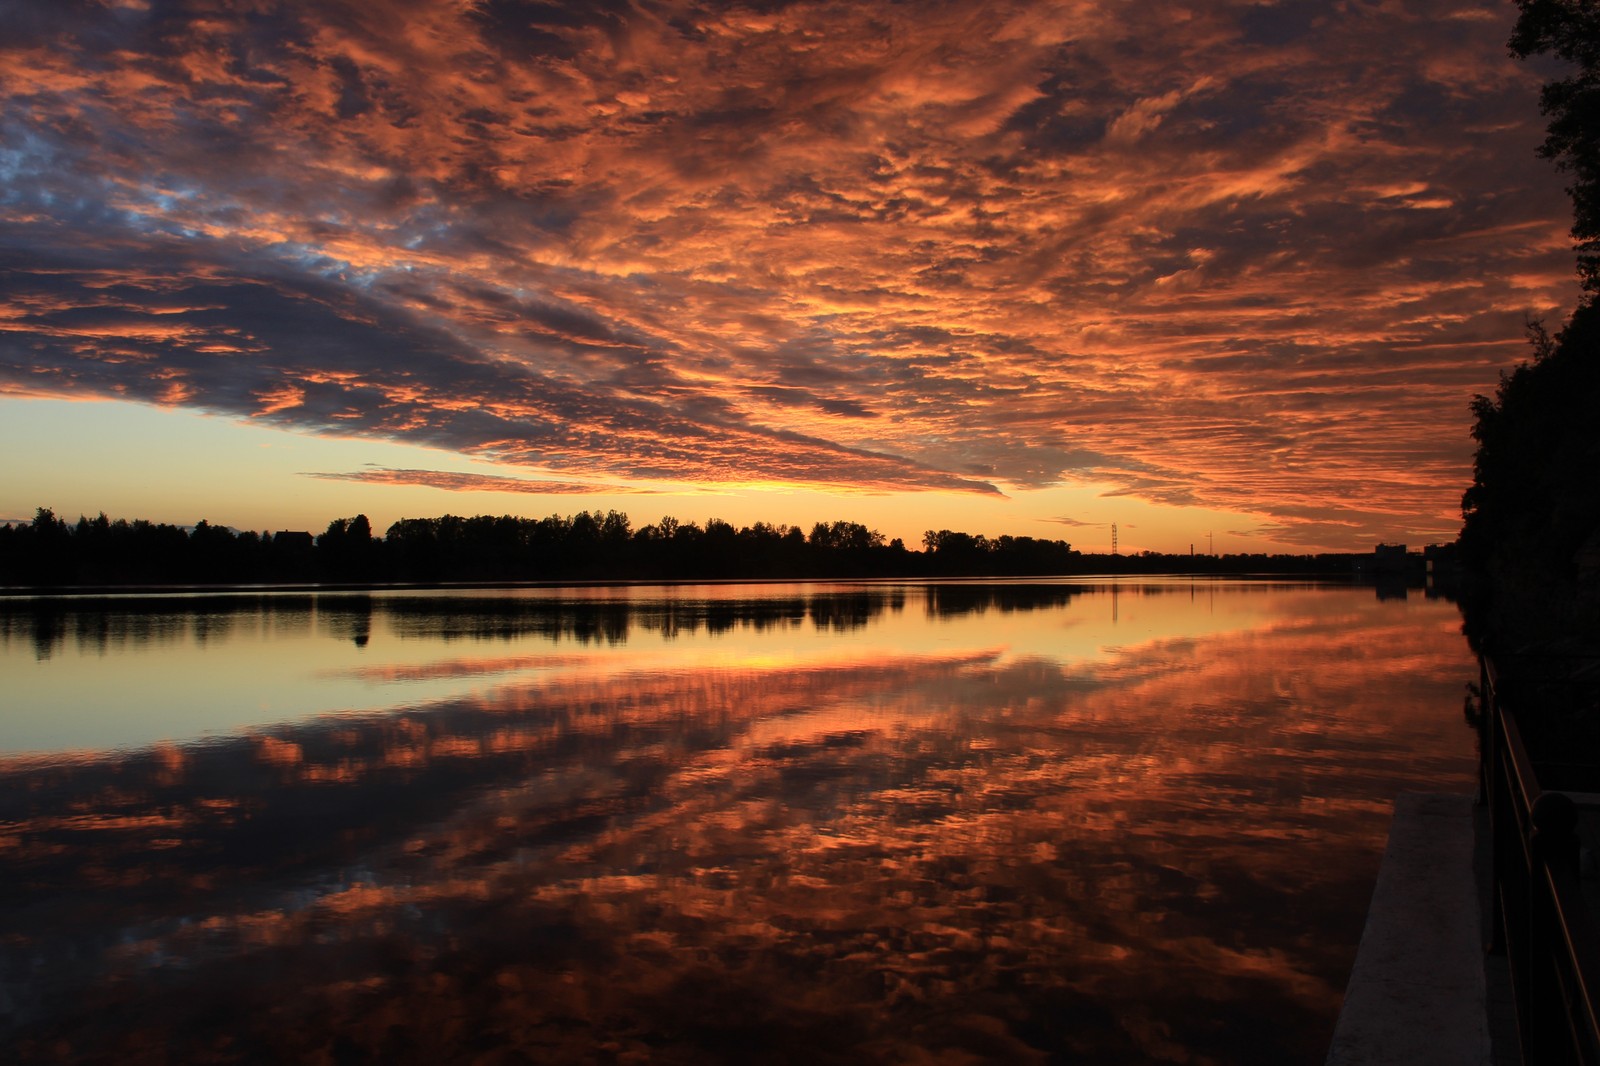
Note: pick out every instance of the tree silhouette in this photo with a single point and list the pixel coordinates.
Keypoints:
(1531, 519)
(1570, 30)
(346, 552)
(1533, 510)
(582, 547)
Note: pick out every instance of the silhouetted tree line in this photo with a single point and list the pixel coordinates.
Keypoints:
(1531, 531)
(587, 546)
(1570, 31)
(1232, 564)
(595, 546)
(965, 553)
(99, 551)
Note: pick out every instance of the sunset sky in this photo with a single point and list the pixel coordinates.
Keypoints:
(1032, 268)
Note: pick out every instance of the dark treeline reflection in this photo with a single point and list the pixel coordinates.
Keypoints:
(97, 623)
(956, 599)
(949, 601)
(101, 624)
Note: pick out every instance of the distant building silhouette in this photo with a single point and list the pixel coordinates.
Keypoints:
(1389, 558)
(1440, 560)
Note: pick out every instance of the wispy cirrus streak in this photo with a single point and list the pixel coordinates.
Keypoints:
(466, 481)
(1252, 256)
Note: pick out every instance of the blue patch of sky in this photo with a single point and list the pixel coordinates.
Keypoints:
(24, 157)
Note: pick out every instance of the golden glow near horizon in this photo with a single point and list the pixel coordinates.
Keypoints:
(1026, 268)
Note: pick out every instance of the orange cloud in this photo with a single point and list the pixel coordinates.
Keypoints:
(1256, 258)
(460, 481)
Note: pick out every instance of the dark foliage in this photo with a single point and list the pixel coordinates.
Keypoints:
(587, 546)
(1531, 532)
(1532, 515)
(1570, 31)
(582, 547)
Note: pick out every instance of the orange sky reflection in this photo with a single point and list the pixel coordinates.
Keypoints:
(1134, 856)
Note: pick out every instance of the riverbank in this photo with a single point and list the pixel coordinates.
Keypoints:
(1421, 990)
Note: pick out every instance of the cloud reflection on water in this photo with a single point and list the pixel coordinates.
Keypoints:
(1163, 854)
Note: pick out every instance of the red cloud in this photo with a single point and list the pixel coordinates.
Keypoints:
(1256, 259)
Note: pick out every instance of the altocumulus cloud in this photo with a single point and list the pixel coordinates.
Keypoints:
(466, 481)
(1246, 256)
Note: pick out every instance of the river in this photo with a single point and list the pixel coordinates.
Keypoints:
(1084, 821)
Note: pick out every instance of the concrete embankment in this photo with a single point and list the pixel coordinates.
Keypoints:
(1417, 993)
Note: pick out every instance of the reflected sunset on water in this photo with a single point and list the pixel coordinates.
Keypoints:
(1070, 821)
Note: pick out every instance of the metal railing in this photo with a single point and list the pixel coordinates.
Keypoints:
(1539, 917)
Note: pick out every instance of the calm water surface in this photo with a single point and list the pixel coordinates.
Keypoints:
(1067, 822)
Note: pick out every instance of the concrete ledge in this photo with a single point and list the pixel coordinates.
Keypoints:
(1416, 995)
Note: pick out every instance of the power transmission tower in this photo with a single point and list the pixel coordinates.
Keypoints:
(1113, 538)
